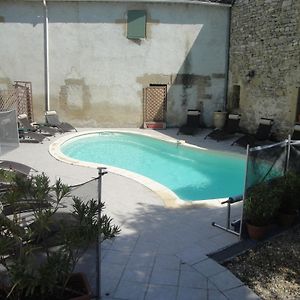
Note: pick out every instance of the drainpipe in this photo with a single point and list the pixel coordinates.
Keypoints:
(228, 58)
(46, 57)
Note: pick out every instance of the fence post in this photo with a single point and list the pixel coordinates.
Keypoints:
(244, 194)
(101, 172)
(288, 154)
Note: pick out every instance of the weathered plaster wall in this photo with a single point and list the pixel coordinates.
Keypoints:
(265, 37)
(97, 75)
(21, 51)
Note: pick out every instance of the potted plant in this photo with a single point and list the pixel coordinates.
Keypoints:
(288, 189)
(219, 115)
(40, 253)
(260, 208)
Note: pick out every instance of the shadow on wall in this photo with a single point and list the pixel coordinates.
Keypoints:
(200, 82)
(190, 90)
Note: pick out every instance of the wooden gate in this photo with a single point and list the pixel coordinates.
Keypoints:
(155, 105)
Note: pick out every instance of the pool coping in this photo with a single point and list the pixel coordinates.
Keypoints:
(168, 197)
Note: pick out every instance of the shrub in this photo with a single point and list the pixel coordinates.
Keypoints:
(261, 204)
(288, 189)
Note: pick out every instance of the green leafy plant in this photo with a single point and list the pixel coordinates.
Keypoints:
(261, 204)
(288, 189)
(40, 253)
(7, 176)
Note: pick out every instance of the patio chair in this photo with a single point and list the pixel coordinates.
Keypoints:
(53, 120)
(40, 128)
(30, 137)
(296, 132)
(192, 122)
(262, 134)
(231, 127)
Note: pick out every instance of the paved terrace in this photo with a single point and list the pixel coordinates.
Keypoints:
(161, 252)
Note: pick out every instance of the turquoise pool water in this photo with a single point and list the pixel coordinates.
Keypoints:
(190, 173)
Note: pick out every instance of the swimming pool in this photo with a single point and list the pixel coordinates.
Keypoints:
(192, 174)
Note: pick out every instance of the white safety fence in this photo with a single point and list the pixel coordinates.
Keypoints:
(9, 137)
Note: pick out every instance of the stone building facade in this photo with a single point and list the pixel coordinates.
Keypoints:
(264, 70)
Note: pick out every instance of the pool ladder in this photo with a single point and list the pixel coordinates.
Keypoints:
(235, 224)
(179, 142)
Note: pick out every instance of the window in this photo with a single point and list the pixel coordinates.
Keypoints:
(136, 24)
(235, 101)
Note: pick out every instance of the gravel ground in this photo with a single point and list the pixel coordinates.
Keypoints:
(272, 270)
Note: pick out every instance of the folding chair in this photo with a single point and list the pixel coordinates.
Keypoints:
(29, 127)
(230, 128)
(53, 120)
(262, 134)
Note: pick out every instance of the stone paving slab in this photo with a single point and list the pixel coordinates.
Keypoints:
(191, 293)
(216, 295)
(161, 292)
(192, 255)
(242, 292)
(209, 267)
(225, 280)
(192, 279)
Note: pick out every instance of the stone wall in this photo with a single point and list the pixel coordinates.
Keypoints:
(265, 41)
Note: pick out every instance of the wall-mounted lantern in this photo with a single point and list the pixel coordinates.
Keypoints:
(250, 75)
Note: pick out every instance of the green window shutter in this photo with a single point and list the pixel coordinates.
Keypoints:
(136, 24)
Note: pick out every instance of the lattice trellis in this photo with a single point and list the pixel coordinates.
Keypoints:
(155, 104)
(18, 96)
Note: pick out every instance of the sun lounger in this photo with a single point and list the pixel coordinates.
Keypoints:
(53, 120)
(231, 127)
(40, 128)
(262, 134)
(192, 122)
(296, 132)
(16, 167)
(30, 137)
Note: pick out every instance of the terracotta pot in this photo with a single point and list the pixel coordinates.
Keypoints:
(78, 282)
(257, 232)
(287, 219)
(4, 290)
(77, 286)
